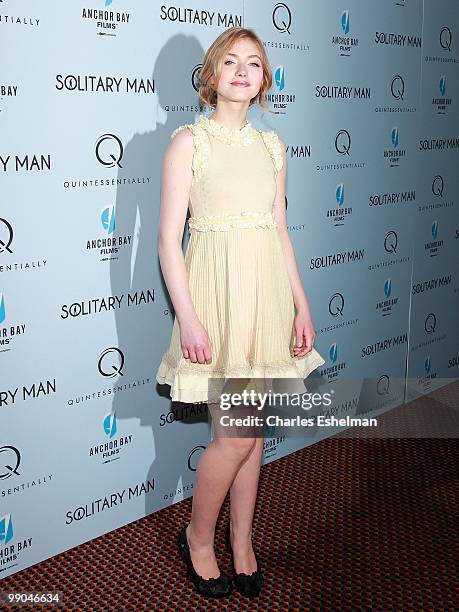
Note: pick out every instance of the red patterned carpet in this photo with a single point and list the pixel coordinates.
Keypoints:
(348, 524)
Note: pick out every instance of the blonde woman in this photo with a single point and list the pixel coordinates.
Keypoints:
(240, 308)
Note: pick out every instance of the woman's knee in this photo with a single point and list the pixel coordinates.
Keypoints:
(237, 447)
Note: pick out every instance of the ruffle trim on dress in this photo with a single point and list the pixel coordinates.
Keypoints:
(184, 387)
(195, 382)
(272, 143)
(201, 148)
(243, 137)
(225, 222)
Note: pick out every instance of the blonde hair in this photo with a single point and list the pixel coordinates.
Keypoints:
(213, 62)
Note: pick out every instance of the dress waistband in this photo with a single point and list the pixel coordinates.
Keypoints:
(228, 221)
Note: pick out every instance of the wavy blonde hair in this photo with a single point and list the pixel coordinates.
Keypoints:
(213, 62)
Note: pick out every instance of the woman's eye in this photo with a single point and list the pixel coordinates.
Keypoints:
(253, 63)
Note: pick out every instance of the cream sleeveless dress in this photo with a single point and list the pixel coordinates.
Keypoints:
(236, 269)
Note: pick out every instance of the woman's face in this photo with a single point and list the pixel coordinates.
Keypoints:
(242, 72)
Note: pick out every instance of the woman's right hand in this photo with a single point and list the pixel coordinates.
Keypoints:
(195, 342)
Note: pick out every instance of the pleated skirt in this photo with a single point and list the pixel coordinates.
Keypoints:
(240, 289)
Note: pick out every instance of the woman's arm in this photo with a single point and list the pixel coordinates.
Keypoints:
(303, 320)
(175, 192)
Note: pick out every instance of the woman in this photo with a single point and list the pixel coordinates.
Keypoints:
(241, 312)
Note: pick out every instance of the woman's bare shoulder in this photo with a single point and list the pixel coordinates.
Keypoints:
(181, 142)
(183, 132)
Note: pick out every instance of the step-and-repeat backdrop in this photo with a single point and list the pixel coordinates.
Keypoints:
(366, 99)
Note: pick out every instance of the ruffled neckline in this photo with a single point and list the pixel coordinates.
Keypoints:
(243, 136)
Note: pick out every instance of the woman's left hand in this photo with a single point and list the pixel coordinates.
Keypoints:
(304, 335)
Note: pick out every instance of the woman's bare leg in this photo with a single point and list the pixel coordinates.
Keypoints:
(215, 472)
(243, 495)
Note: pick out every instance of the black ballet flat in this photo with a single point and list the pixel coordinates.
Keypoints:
(247, 584)
(210, 587)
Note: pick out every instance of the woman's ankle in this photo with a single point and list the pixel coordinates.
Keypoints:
(239, 535)
(197, 542)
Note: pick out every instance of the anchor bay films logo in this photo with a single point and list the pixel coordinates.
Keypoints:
(442, 103)
(394, 154)
(282, 99)
(386, 306)
(109, 246)
(11, 548)
(344, 42)
(10, 332)
(342, 211)
(113, 447)
(433, 247)
(104, 20)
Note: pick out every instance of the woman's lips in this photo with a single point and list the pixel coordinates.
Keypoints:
(237, 84)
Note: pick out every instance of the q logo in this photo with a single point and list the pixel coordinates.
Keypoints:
(397, 87)
(343, 142)
(336, 304)
(10, 459)
(383, 385)
(445, 38)
(194, 456)
(111, 362)
(6, 236)
(438, 186)
(391, 242)
(115, 155)
(282, 17)
(195, 77)
(430, 323)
